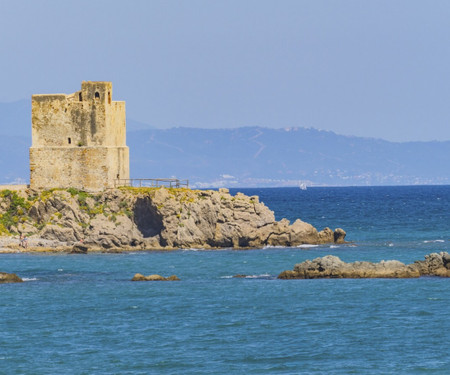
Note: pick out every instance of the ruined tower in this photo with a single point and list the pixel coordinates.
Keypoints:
(78, 140)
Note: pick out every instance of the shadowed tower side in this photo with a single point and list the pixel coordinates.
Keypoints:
(78, 140)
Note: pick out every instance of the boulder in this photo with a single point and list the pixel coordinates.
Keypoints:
(339, 236)
(301, 233)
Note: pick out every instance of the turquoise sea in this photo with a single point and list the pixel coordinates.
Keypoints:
(81, 314)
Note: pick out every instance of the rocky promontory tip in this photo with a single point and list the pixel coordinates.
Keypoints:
(9, 278)
(435, 264)
(150, 218)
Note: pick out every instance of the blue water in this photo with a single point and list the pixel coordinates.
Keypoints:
(81, 314)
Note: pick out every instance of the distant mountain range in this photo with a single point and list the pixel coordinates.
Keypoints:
(249, 156)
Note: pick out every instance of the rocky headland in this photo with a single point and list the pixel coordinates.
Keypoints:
(329, 267)
(146, 218)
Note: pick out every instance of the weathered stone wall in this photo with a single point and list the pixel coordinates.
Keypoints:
(78, 140)
(116, 116)
(85, 168)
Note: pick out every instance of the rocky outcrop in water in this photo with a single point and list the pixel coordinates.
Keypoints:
(152, 218)
(140, 277)
(9, 278)
(435, 264)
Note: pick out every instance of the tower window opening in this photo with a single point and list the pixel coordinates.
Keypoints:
(80, 97)
(69, 140)
(109, 97)
(97, 95)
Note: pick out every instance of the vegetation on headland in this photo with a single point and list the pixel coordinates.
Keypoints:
(13, 210)
(15, 205)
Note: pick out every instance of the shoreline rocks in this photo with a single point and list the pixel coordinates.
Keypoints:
(329, 267)
(79, 248)
(150, 219)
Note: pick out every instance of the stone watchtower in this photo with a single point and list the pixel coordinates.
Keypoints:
(78, 140)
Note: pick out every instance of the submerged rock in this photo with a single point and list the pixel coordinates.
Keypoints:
(9, 278)
(332, 267)
(140, 277)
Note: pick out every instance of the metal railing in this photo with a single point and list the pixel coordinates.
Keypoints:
(152, 182)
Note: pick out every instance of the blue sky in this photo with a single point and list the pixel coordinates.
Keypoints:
(365, 68)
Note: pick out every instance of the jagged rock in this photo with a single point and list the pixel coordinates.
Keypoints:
(435, 264)
(62, 234)
(140, 277)
(108, 233)
(332, 267)
(9, 278)
(26, 228)
(339, 236)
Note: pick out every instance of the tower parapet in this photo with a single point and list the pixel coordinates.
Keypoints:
(78, 140)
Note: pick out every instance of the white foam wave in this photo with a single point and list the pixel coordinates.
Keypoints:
(246, 276)
(307, 246)
(194, 249)
(304, 246)
(257, 276)
(334, 247)
(29, 279)
(433, 241)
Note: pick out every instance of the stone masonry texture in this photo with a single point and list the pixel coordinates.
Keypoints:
(78, 140)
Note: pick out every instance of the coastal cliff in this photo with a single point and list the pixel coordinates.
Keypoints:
(150, 218)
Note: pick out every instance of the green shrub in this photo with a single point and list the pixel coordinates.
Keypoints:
(73, 191)
(16, 212)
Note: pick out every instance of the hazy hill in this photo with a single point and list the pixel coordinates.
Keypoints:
(249, 156)
(274, 157)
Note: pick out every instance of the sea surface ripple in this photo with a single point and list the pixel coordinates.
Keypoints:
(81, 314)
